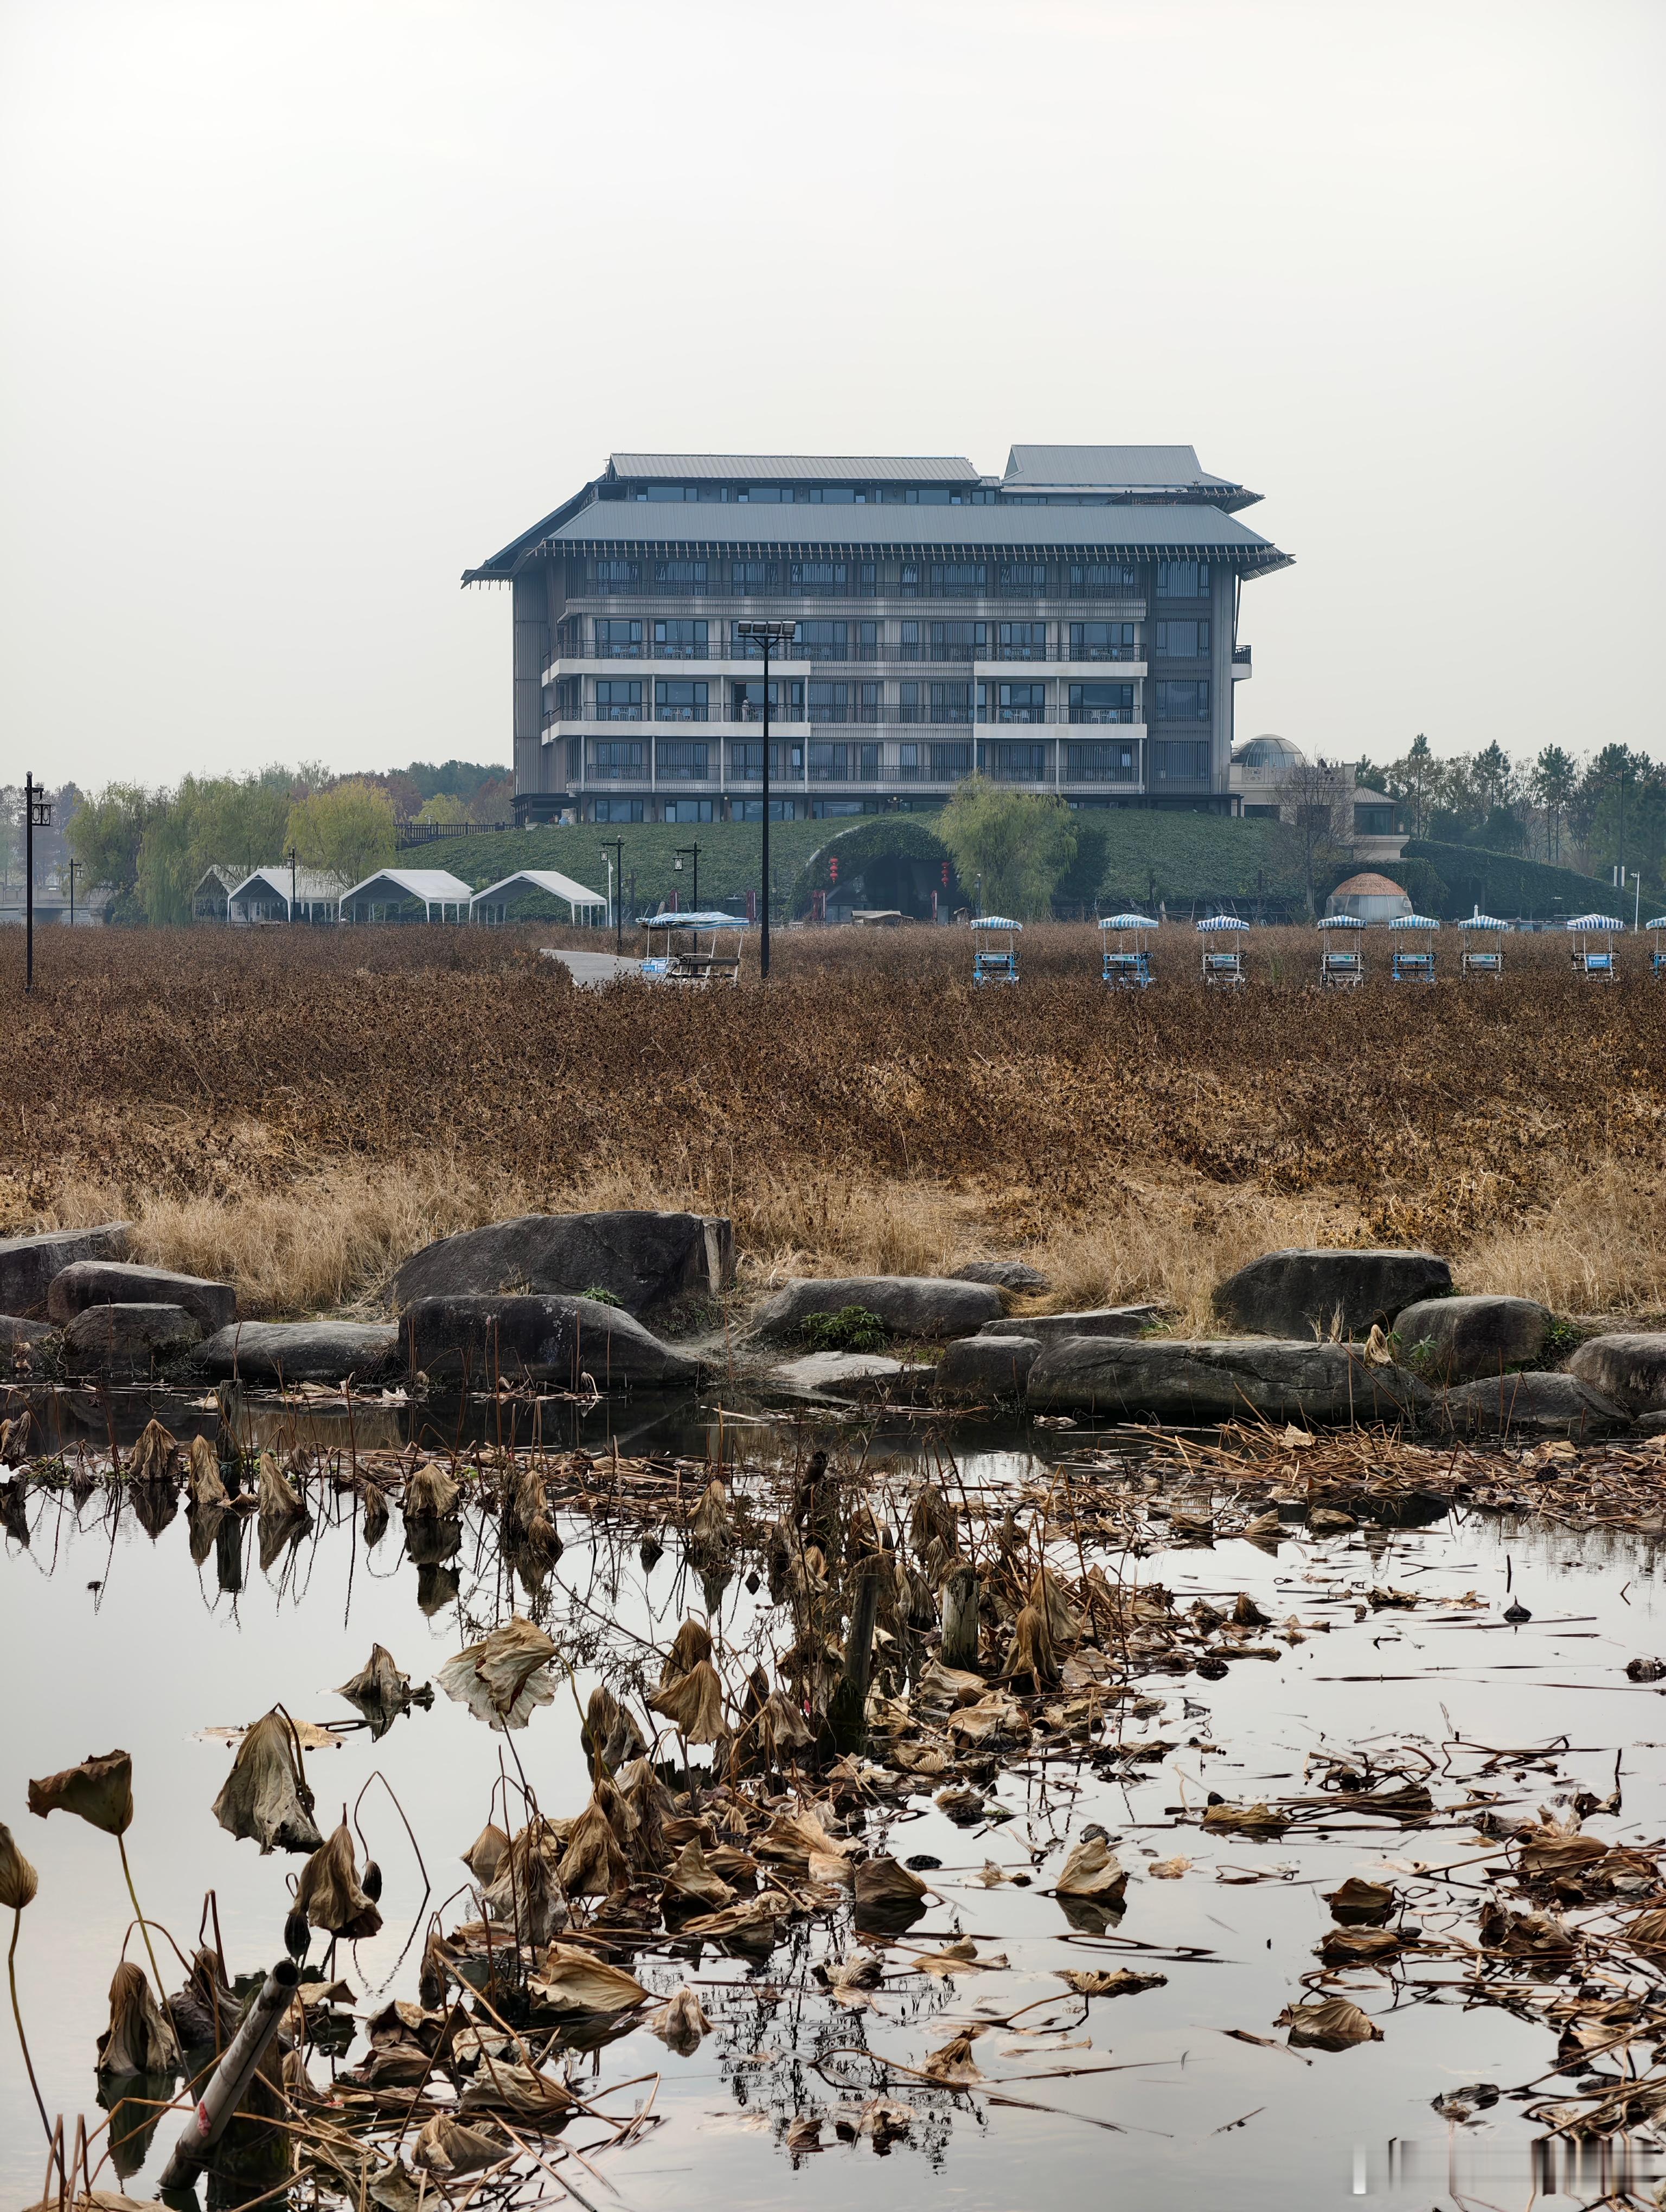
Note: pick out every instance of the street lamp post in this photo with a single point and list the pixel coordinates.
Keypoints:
(616, 889)
(37, 815)
(766, 633)
(693, 853)
(294, 882)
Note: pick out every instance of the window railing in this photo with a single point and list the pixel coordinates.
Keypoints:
(666, 712)
(1102, 713)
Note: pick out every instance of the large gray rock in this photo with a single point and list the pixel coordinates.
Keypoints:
(1300, 1292)
(1631, 1369)
(1533, 1405)
(646, 1260)
(278, 1352)
(118, 1282)
(855, 1374)
(1203, 1381)
(908, 1305)
(987, 1366)
(549, 1339)
(1467, 1337)
(125, 1340)
(14, 1331)
(1004, 1275)
(1098, 1320)
(27, 1264)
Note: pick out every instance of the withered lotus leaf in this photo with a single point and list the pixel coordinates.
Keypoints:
(594, 1863)
(100, 1790)
(782, 1723)
(448, 2146)
(680, 2023)
(1358, 1901)
(138, 2039)
(711, 1531)
(692, 1881)
(375, 1513)
(1647, 1930)
(1246, 1819)
(611, 1733)
(953, 2061)
(570, 1979)
(519, 2091)
(526, 1892)
(883, 1881)
(431, 1494)
(692, 1643)
(265, 1794)
(485, 1856)
(504, 1678)
(1116, 1982)
(18, 1879)
(1092, 1870)
(277, 1500)
(1033, 1648)
(379, 1681)
(1357, 1946)
(1329, 2024)
(330, 1894)
(203, 1474)
(694, 1704)
(152, 1455)
(848, 1983)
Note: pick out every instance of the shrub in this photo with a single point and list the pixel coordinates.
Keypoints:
(853, 1328)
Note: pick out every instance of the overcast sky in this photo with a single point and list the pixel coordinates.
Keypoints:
(310, 305)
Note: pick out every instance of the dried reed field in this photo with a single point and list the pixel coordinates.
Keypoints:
(298, 1110)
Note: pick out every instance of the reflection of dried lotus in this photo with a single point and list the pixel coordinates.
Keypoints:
(1329, 2024)
(1093, 1869)
(98, 1791)
(330, 1894)
(680, 2023)
(504, 1677)
(138, 2039)
(265, 1794)
(375, 1513)
(569, 1979)
(693, 1704)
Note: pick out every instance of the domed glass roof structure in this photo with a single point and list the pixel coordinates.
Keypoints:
(1268, 755)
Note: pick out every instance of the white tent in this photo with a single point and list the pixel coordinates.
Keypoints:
(582, 904)
(395, 890)
(270, 893)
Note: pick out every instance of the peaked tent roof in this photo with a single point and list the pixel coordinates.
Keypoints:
(434, 886)
(310, 884)
(543, 879)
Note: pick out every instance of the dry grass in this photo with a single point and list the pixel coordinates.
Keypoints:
(300, 1114)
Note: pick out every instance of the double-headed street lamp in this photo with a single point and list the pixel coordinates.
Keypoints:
(37, 815)
(766, 633)
(680, 853)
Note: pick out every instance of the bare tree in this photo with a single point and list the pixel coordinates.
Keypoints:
(1315, 797)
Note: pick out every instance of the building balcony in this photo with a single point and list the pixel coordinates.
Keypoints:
(1241, 665)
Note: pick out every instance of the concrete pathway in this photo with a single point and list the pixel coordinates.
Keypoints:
(594, 969)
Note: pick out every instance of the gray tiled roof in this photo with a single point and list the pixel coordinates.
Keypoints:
(1108, 468)
(820, 468)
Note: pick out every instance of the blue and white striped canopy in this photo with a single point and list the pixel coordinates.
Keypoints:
(1658, 922)
(1586, 922)
(996, 921)
(1342, 921)
(707, 920)
(1483, 921)
(1413, 921)
(1224, 921)
(1128, 921)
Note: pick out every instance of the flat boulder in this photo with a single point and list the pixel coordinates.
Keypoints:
(1304, 1292)
(274, 1352)
(13, 1330)
(1203, 1381)
(1098, 1320)
(1629, 1369)
(1455, 1339)
(474, 1339)
(1532, 1404)
(647, 1261)
(857, 1374)
(1004, 1274)
(27, 1264)
(987, 1366)
(120, 1282)
(124, 1340)
(908, 1305)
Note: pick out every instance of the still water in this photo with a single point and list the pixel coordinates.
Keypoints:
(110, 1637)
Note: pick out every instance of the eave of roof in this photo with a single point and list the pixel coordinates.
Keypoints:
(793, 468)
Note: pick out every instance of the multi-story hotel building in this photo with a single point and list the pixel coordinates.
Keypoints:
(1070, 626)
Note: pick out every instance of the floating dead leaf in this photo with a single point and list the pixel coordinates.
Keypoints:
(203, 1474)
(959, 1957)
(504, 1678)
(1168, 1869)
(693, 1704)
(521, 2092)
(884, 1884)
(1357, 1946)
(265, 1794)
(1646, 1932)
(1386, 1600)
(804, 2135)
(330, 1894)
(1115, 1982)
(379, 1683)
(849, 1982)
(964, 1807)
(1559, 1846)
(953, 2061)
(431, 1494)
(992, 1876)
(139, 2039)
(680, 2023)
(1246, 1819)
(1360, 1902)
(1329, 2024)
(446, 2146)
(98, 1791)
(570, 1979)
(993, 1716)
(1330, 1520)
(1093, 1869)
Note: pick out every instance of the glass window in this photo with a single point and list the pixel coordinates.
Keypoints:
(677, 699)
(1183, 579)
(907, 703)
(959, 640)
(1022, 641)
(1101, 702)
(951, 761)
(908, 580)
(819, 575)
(821, 640)
(1102, 641)
(829, 703)
(908, 756)
(951, 703)
(1088, 579)
(1107, 763)
(1020, 702)
(618, 809)
(618, 640)
(867, 579)
(867, 641)
(680, 576)
(868, 696)
(749, 578)
(765, 494)
(1183, 762)
(618, 575)
(1182, 640)
(1024, 579)
(684, 757)
(618, 699)
(959, 579)
(1009, 763)
(786, 701)
(909, 647)
(680, 640)
(1183, 702)
(687, 810)
(616, 756)
(751, 809)
(832, 495)
(932, 496)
